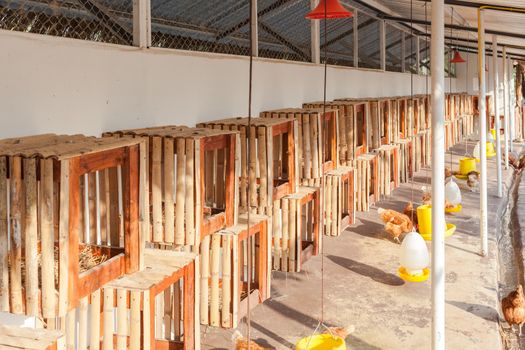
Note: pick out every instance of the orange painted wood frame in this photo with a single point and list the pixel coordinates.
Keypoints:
(329, 129)
(91, 280)
(282, 189)
(385, 113)
(226, 219)
(361, 129)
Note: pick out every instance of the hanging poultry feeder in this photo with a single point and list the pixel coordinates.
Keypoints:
(424, 218)
(321, 342)
(329, 9)
(457, 58)
(491, 152)
(453, 196)
(466, 166)
(414, 259)
(493, 134)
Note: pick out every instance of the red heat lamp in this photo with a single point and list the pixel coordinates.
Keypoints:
(333, 10)
(457, 58)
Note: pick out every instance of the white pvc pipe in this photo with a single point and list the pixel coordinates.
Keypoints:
(482, 135)
(506, 106)
(497, 126)
(437, 57)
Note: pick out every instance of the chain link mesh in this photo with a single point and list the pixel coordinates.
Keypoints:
(220, 26)
(369, 51)
(393, 48)
(97, 20)
(340, 42)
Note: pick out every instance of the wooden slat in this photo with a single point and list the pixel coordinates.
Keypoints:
(169, 209)
(16, 236)
(156, 189)
(285, 231)
(31, 237)
(103, 205)
(83, 324)
(252, 169)
(180, 196)
(205, 276)
(122, 319)
(214, 295)
(293, 232)
(107, 342)
(276, 235)
(4, 257)
(92, 207)
(94, 320)
(226, 281)
(264, 202)
(135, 329)
(190, 192)
(114, 215)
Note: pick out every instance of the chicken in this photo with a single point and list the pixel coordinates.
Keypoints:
(341, 332)
(448, 172)
(513, 161)
(513, 307)
(411, 213)
(395, 223)
(473, 181)
(242, 344)
(521, 164)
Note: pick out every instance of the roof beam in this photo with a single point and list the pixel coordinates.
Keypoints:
(456, 27)
(348, 32)
(274, 6)
(107, 20)
(283, 41)
(493, 7)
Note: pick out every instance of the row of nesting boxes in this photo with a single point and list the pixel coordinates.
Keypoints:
(134, 239)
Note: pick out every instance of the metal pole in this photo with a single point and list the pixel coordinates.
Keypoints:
(506, 106)
(254, 29)
(382, 44)
(315, 36)
(142, 23)
(496, 113)
(482, 134)
(437, 57)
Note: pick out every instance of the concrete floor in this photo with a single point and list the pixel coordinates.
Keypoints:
(362, 287)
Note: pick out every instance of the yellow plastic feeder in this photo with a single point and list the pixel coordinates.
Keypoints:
(493, 132)
(321, 342)
(402, 272)
(466, 165)
(491, 152)
(424, 218)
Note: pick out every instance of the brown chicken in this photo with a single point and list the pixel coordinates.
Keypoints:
(395, 223)
(427, 198)
(411, 213)
(513, 307)
(341, 332)
(448, 172)
(513, 161)
(473, 181)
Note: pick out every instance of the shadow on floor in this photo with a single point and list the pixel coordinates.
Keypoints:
(370, 229)
(487, 313)
(367, 271)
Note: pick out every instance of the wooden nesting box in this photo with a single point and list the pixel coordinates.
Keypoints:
(388, 169)
(191, 171)
(296, 227)
(339, 200)
(317, 141)
(224, 271)
(394, 120)
(18, 338)
(403, 117)
(52, 252)
(154, 308)
(405, 160)
(386, 121)
(273, 160)
(352, 127)
(367, 181)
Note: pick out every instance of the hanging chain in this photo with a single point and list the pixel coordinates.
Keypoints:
(412, 104)
(249, 238)
(451, 98)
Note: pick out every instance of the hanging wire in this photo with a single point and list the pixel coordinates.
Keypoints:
(426, 83)
(325, 38)
(451, 98)
(249, 238)
(412, 102)
(466, 91)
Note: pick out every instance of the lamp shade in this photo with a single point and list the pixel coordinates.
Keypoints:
(333, 10)
(457, 58)
(414, 254)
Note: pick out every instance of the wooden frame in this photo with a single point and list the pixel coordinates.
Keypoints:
(339, 200)
(191, 170)
(317, 141)
(388, 169)
(274, 141)
(297, 223)
(386, 121)
(223, 292)
(403, 115)
(45, 173)
(154, 308)
(352, 127)
(405, 160)
(367, 181)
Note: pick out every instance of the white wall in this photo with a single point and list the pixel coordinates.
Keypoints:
(61, 85)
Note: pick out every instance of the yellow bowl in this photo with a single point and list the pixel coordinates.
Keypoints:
(424, 219)
(455, 209)
(463, 177)
(493, 132)
(321, 342)
(402, 272)
(451, 228)
(466, 165)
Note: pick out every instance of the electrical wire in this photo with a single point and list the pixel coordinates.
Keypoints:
(412, 163)
(450, 76)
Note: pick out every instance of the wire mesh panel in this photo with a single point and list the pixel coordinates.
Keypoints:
(369, 50)
(411, 53)
(284, 32)
(339, 42)
(394, 38)
(100, 20)
(424, 57)
(221, 26)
